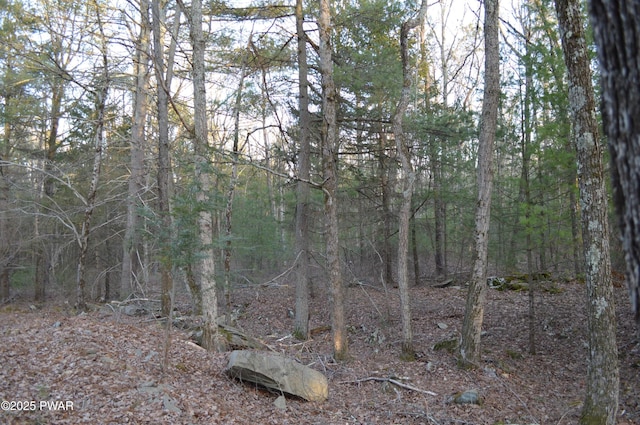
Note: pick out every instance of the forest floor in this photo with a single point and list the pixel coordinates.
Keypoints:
(108, 366)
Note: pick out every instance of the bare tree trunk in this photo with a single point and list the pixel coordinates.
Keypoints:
(131, 242)
(414, 248)
(5, 245)
(526, 140)
(439, 251)
(575, 230)
(43, 263)
(205, 267)
(101, 101)
(386, 189)
(233, 181)
(301, 326)
(474, 309)
(616, 26)
(163, 81)
(601, 401)
(439, 218)
(525, 147)
(330, 188)
(409, 177)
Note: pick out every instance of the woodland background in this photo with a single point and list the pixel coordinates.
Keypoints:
(196, 154)
(62, 64)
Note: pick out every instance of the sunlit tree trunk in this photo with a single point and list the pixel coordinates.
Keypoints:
(474, 309)
(131, 240)
(601, 400)
(204, 272)
(301, 326)
(330, 188)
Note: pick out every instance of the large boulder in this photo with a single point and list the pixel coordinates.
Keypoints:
(278, 373)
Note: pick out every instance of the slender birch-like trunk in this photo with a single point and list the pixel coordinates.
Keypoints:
(474, 309)
(301, 326)
(408, 182)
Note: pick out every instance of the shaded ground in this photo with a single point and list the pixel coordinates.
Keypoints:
(109, 365)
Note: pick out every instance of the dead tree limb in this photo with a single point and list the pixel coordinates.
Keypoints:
(391, 381)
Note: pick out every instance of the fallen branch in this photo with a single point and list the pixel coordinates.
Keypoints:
(134, 300)
(272, 281)
(391, 381)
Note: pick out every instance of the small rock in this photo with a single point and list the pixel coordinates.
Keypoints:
(150, 356)
(491, 373)
(133, 310)
(467, 397)
(57, 324)
(281, 403)
(170, 404)
(442, 325)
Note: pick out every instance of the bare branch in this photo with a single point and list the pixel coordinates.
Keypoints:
(391, 381)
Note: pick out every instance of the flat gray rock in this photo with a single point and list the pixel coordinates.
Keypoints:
(278, 373)
(467, 397)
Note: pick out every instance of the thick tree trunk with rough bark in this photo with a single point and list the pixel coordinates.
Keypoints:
(330, 186)
(474, 309)
(601, 401)
(616, 26)
(205, 266)
(301, 326)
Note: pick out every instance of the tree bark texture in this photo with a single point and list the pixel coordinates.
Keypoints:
(131, 242)
(205, 266)
(474, 309)
(330, 187)
(616, 26)
(408, 182)
(301, 326)
(601, 401)
(164, 163)
(386, 189)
